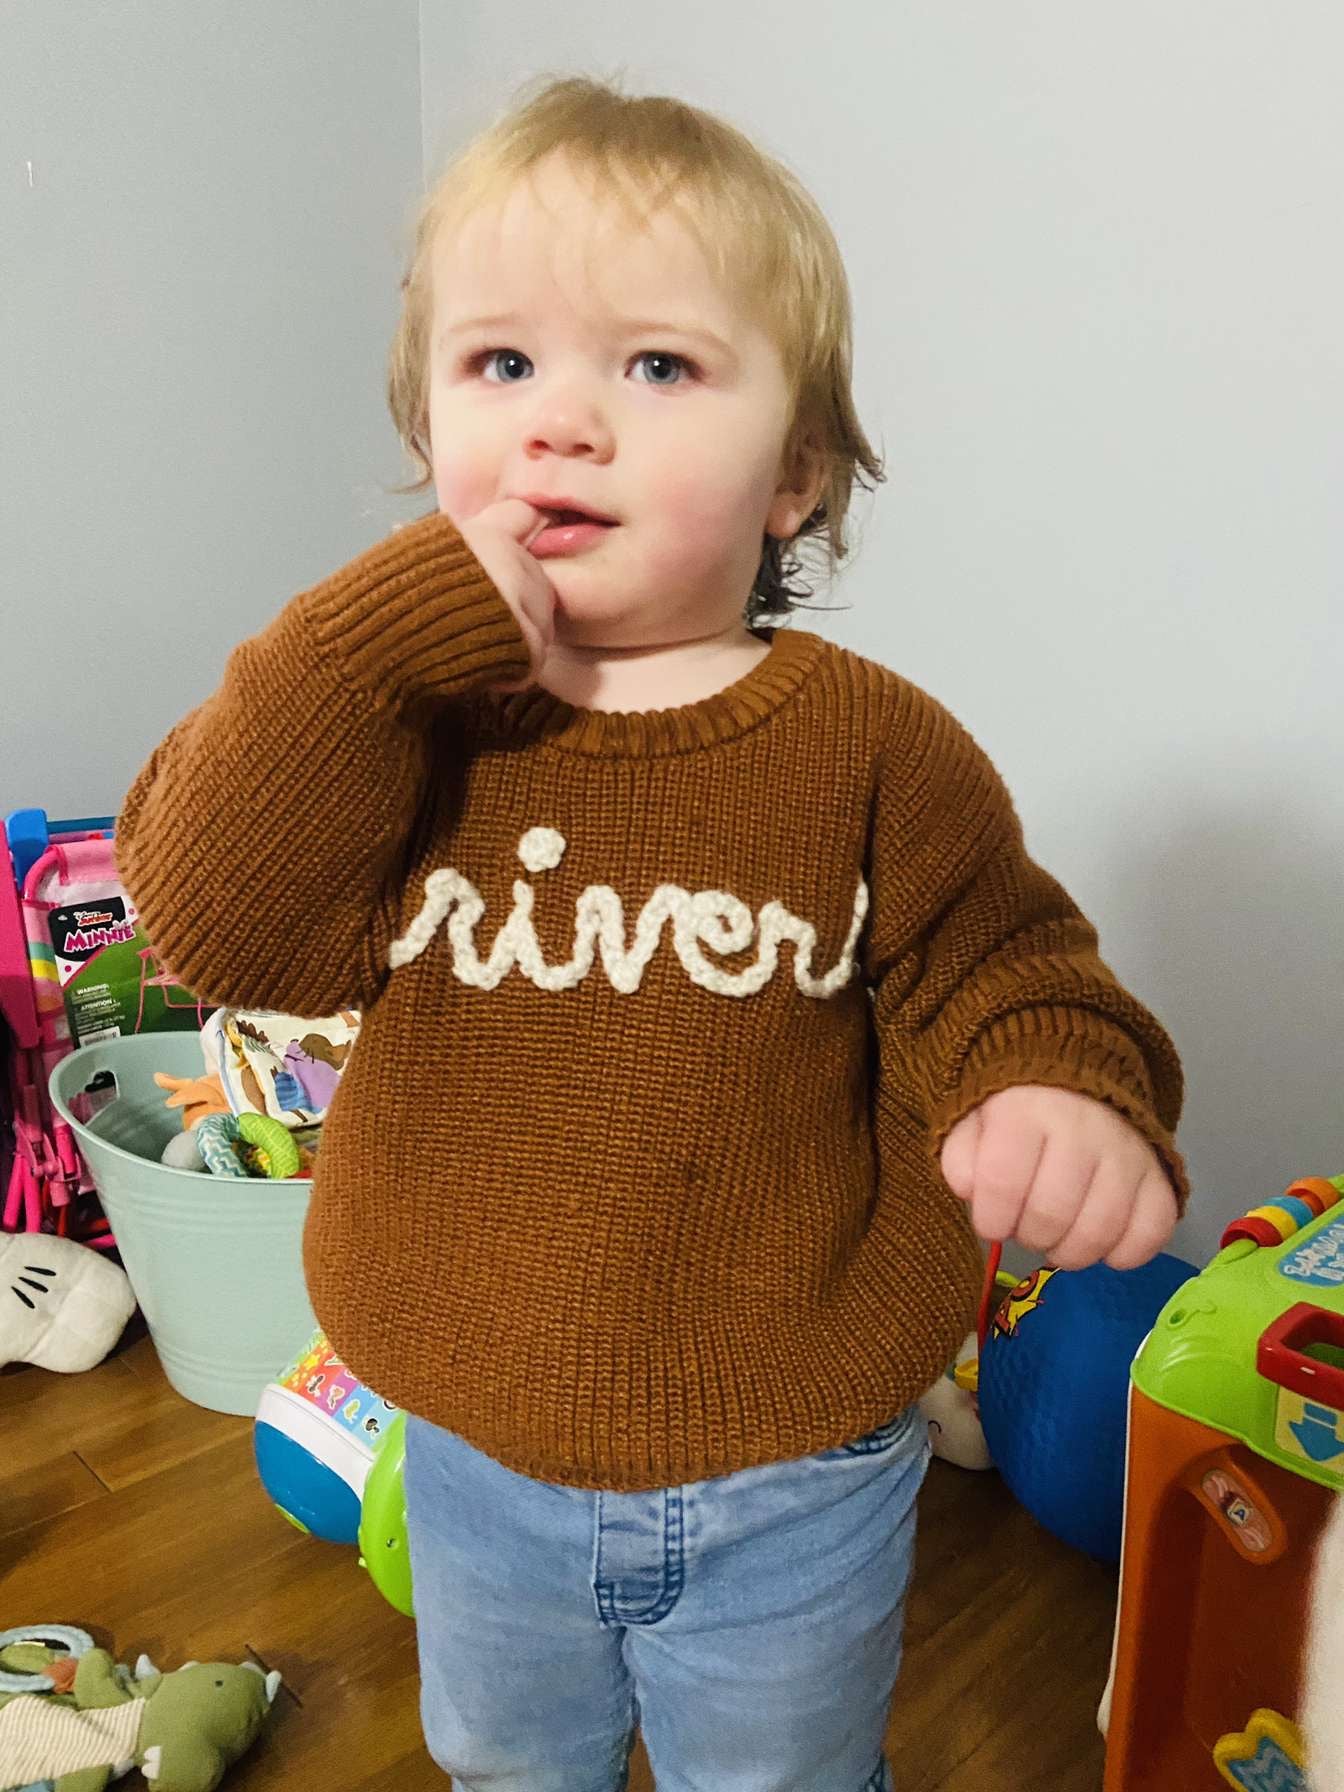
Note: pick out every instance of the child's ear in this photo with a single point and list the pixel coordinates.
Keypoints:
(802, 477)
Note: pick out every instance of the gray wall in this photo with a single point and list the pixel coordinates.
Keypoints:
(1097, 276)
(197, 290)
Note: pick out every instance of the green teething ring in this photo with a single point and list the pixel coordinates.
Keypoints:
(271, 1148)
(52, 1640)
(241, 1145)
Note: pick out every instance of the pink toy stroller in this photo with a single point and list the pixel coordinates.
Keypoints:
(43, 874)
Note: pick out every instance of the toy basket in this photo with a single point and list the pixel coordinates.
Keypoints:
(215, 1263)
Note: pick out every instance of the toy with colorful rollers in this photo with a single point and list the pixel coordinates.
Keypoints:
(1297, 1206)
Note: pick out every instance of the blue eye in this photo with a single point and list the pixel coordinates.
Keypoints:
(511, 354)
(658, 354)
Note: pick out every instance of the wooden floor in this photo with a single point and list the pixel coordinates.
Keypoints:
(139, 1517)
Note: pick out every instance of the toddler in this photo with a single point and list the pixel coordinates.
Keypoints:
(711, 1002)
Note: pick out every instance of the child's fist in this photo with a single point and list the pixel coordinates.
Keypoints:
(1064, 1175)
(500, 536)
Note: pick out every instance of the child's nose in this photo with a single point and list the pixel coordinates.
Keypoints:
(570, 422)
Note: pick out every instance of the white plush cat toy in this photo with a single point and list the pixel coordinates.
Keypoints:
(62, 1306)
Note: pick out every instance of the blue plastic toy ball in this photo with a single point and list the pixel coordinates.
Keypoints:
(317, 1429)
(1054, 1392)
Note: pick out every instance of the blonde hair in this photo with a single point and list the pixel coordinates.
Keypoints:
(764, 238)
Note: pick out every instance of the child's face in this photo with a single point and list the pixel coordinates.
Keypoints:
(678, 438)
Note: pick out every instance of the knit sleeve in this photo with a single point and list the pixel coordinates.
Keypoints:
(983, 971)
(262, 840)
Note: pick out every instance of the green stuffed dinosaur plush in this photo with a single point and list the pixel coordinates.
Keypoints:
(182, 1730)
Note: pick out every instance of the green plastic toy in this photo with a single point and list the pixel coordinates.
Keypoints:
(383, 1548)
(1254, 1346)
(98, 1721)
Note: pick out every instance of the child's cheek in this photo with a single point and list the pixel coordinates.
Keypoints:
(461, 490)
(698, 516)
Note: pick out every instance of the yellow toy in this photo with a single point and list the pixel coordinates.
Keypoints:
(1264, 1757)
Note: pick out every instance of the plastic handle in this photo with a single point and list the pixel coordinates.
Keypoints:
(1282, 1354)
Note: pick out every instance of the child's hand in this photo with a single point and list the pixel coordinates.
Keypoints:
(1062, 1174)
(500, 536)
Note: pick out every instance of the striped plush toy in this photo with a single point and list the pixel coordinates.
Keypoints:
(95, 1720)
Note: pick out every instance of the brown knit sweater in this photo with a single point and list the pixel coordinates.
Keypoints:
(632, 1175)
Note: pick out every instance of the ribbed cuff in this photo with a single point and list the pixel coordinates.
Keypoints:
(1064, 1049)
(417, 617)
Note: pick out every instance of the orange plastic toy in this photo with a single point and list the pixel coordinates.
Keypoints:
(1236, 1450)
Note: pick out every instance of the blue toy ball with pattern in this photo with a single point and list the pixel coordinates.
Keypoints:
(1054, 1392)
(316, 1435)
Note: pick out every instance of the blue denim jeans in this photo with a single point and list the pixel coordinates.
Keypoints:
(750, 1624)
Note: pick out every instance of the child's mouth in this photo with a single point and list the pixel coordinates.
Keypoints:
(568, 532)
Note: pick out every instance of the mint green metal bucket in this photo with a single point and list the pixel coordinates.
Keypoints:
(216, 1264)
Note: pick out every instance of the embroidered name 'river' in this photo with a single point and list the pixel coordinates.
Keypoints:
(712, 918)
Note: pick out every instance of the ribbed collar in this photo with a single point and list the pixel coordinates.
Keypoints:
(540, 715)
